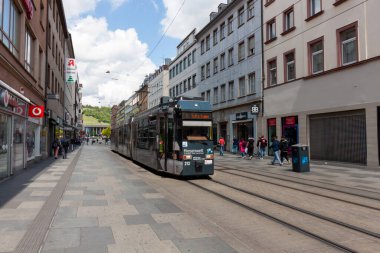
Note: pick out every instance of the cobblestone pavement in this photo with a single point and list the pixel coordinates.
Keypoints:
(98, 205)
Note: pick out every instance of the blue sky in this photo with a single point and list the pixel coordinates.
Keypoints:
(119, 36)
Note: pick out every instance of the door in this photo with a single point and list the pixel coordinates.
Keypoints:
(18, 144)
(5, 146)
(162, 144)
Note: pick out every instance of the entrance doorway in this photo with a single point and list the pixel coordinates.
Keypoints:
(4, 145)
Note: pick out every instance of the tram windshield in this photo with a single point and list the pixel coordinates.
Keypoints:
(196, 131)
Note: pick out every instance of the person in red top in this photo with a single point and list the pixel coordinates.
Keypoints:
(222, 144)
(262, 144)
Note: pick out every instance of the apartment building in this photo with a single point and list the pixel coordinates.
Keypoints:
(57, 35)
(158, 85)
(229, 67)
(22, 83)
(183, 80)
(321, 65)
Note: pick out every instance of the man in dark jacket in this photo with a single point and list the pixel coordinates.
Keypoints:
(284, 145)
(276, 150)
(262, 144)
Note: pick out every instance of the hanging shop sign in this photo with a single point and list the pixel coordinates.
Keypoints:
(71, 71)
(11, 103)
(29, 9)
(36, 111)
(242, 116)
(255, 109)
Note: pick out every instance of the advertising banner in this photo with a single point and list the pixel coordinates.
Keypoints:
(36, 111)
(71, 71)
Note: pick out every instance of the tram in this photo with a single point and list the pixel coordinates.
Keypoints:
(175, 137)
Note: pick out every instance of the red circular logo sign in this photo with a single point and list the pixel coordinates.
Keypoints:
(37, 111)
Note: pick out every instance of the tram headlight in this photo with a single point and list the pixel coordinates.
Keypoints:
(210, 156)
(187, 157)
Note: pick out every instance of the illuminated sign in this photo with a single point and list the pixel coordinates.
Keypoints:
(11, 103)
(196, 115)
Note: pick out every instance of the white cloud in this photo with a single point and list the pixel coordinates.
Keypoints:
(194, 14)
(155, 5)
(97, 50)
(74, 8)
(117, 3)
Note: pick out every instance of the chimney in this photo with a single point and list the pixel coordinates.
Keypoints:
(213, 15)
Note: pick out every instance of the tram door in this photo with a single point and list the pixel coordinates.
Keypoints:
(162, 144)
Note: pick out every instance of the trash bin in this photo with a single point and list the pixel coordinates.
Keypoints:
(300, 158)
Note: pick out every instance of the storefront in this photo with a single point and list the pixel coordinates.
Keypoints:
(243, 126)
(271, 123)
(289, 126)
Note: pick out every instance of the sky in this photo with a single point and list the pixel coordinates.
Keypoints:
(129, 39)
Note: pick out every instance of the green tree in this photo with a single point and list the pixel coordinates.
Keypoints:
(107, 132)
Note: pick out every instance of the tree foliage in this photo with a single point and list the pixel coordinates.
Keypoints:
(103, 114)
(107, 132)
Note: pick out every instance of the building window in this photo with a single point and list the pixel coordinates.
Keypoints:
(230, 20)
(216, 97)
(222, 61)
(272, 72)
(251, 45)
(202, 72)
(180, 66)
(231, 90)
(215, 65)
(348, 45)
(193, 56)
(194, 83)
(10, 25)
(250, 10)
(241, 52)
(290, 66)
(180, 88)
(242, 86)
(29, 51)
(288, 19)
(315, 6)
(208, 95)
(208, 42)
(208, 69)
(231, 57)
(215, 37)
(241, 16)
(316, 57)
(189, 83)
(271, 30)
(252, 83)
(184, 85)
(184, 63)
(189, 60)
(222, 93)
(222, 31)
(203, 96)
(202, 46)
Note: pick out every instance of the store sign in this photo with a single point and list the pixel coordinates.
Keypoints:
(290, 120)
(36, 111)
(272, 122)
(71, 71)
(242, 116)
(11, 103)
(255, 109)
(29, 9)
(191, 115)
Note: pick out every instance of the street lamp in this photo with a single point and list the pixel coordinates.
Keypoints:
(114, 78)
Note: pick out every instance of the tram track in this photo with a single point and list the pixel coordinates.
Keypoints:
(304, 190)
(332, 221)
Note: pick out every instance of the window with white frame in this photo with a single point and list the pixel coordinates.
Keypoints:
(251, 45)
(216, 95)
(241, 16)
(222, 61)
(215, 36)
(215, 65)
(241, 52)
(10, 25)
(316, 57)
(290, 66)
(288, 19)
(250, 9)
(231, 94)
(230, 56)
(242, 86)
(272, 72)
(208, 70)
(29, 51)
(252, 83)
(208, 41)
(222, 93)
(222, 31)
(229, 28)
(348, 46)
(315, 6)
(271, 29)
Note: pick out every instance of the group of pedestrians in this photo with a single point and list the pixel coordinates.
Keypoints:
(246, 148)
(60, 145)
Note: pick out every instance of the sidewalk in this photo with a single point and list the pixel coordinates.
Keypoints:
(346, 175)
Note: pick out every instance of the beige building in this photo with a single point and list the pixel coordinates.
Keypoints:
(321, 66)
(158, 84)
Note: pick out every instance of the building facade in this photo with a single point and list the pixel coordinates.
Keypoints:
(158, 85)
(321, 62)
(183, 79)
(229, 67)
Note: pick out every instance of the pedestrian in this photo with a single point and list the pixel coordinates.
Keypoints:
(262, 143)
(276, 150)
(65, 144)
(222, 143)
(250, 147)
(87, 139)
(55, 145)
(235, 144)
(242, 146)
(284, 146)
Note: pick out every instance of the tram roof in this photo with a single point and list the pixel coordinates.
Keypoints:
(192, 105)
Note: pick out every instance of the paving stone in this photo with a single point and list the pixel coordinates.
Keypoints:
(165, 231)
(95, 202)
(67, 212)
(96, 236)
(14, 225)
(88, 248)
(165, 206)
(12, 204)
(139, 219)
(60, 238)
(206, 245)
(40, 193)
(10, 239)
(64, 222)
(94, 192)
(31, 204)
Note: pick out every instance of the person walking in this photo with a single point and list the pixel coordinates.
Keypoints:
(276, 150)
(55, 145)
(87, 139)
(222, 143)
(65, 144)
(242, 146)
(235, 145)
(250, 147)
(262, 144)
(284, 146)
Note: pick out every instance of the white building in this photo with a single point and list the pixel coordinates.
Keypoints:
(183, 80)
(322, 62)
(158, 85)
(230, 69)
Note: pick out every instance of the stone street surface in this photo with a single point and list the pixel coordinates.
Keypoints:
(98, 201)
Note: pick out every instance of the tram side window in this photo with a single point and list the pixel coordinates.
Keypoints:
(126, 133)
(120, 135)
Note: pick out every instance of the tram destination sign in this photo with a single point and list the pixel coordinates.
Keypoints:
(196, 115)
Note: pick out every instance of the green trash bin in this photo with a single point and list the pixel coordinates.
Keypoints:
(300, 158)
